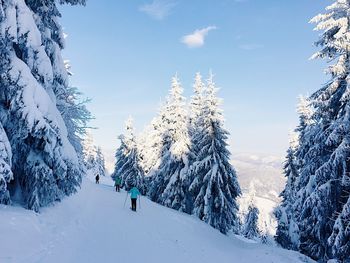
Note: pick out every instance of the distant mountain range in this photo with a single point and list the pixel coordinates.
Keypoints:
(260, 176)
(263, 172)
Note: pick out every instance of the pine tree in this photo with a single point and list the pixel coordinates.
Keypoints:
(120, 156)
(76, 117)
(100, 163)
(89, 151)
(124, 149)
(196, 110)
(330, 190)
(5, 167)
(215, 186)
(250, 229)
(150, 145)
(130, 170)
(323, 189)
(296, 169)
(287, 232)
(169, 181)
(306, 139)
(45, 164)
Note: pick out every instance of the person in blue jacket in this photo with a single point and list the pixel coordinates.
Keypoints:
(117, 183)
(134, 193)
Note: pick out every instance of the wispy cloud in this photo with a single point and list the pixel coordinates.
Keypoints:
(196, 39)
(158, 9)
(250, 46)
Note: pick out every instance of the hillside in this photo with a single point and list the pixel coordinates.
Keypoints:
(93, 226)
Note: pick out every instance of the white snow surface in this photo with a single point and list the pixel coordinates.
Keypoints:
(93, 226)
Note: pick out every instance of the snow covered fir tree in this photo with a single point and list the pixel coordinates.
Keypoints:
(214, 185)
(92, 156)
(197, 105)
(127, 165)
(168, 183)
(250, 227)
(89, 150)
(99, 165)
(317, 195)
(35, 98)
(287, 234)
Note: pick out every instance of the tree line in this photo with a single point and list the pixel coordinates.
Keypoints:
(182, 160)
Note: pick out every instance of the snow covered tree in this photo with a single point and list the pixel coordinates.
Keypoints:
(215, 186)
(100, 163)
(128, 162)
(45, 165)
(124, 149)
(150, 145)
(131, 172)
(120, 156)
(250, 228)
(287, 234)
(298, 169)
(76, 117)
(323, 189)
(74, 112)
(5, 167)
(339, 240)
(168, 183)
(89, 150)
(328, 186)
(197, 104)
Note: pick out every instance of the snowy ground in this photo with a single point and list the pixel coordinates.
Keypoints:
(93, 226)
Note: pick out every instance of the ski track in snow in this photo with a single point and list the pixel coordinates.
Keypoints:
(93, 226)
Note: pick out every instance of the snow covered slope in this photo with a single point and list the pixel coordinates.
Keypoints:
(93, 226)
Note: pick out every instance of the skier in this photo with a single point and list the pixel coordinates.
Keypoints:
(118, 182)
(134, 193)
(97, 179)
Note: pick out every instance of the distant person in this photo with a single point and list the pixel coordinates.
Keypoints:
(97, 179)
(117, 183)
(134, 193)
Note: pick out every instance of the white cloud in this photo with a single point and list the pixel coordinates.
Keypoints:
(196, 39)
(158, 9)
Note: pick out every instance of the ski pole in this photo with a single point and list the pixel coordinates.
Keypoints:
(126, 197)
(140, 201)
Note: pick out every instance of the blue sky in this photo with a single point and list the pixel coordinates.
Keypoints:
(124, 53)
